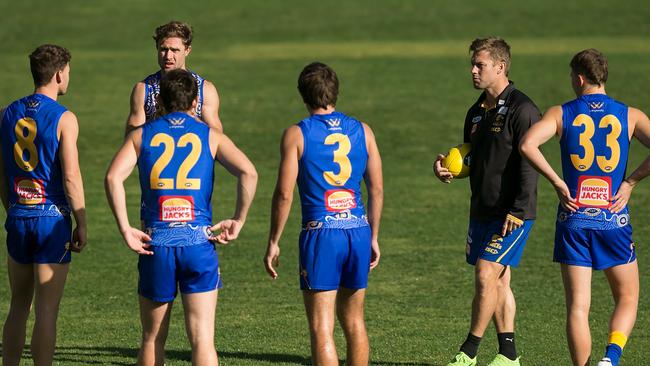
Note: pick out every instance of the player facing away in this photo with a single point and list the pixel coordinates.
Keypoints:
(504, 197)
(175, 155)
(329, 154)
(593, 228)
(40, 186)
(174, 44)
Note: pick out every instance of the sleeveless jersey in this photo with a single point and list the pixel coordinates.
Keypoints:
(30, 150)
(176, 171)
(331, 169)
(152, 89)
(594, 144)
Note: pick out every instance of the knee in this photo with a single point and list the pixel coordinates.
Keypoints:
(486, 279)
(321, 332)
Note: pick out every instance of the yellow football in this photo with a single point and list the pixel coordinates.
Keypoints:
(458, 160)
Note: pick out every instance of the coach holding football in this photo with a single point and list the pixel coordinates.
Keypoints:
(504, 196)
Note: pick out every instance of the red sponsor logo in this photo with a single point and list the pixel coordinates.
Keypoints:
(29, 191)
(594, 191)
(340, 199)
(176, 208)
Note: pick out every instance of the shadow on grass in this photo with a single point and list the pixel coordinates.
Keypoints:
(123, 356)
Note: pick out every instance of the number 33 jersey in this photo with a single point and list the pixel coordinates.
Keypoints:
(331, 169)
(30, 150)
(594, 143)
(176, 171)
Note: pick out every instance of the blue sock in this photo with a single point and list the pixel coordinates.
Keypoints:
(613, 352)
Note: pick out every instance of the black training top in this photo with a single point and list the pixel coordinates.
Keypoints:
(502, 182)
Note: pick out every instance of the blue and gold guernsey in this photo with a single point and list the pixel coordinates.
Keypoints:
(176, 173)
(331, 169)
(594, 144)
(152, 89)
(30, 149)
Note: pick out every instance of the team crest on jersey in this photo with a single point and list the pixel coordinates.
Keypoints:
(177, 122)
(334, 123)
(594, 191)
(596, 106)
(340, 199)
(176, 208)
(477, 119)
(29, 191)
(33, 104)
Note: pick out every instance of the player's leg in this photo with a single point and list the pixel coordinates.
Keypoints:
(48, 289)
(624, 284)
(349, 308)
(21, 283)
(504, 316)
(200, 309)
(154, 317)
(486, 279)
(320, 307)
(577, 290)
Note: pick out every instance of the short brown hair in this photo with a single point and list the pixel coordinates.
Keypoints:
(498, 48)
(45, 61)
(591, 64)
(318, 85)
(174, 29)
(178, 90)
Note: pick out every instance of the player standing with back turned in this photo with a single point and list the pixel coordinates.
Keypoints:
(593, 228)
(329, 154)
(40, 185)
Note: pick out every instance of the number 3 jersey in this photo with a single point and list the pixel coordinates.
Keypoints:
(594, 143)
(176, 171)
(331, 169)
(30, 151)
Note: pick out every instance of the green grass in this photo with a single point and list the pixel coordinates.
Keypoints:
(404, 69)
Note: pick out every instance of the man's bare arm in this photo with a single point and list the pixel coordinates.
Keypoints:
(375, 184)
(210, 109)
(137, 116)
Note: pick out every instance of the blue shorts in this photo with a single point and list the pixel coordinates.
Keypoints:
(192, 268)
(41, 239)
(598, 249)
(333, 258)
(484, 241)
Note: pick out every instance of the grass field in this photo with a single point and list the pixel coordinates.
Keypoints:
(404, 69)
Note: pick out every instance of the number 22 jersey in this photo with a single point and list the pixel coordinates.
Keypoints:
(594, 144)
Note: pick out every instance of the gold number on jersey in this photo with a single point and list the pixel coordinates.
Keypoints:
(584, 163)
(182, 182)
(340, 158)
(25, 142)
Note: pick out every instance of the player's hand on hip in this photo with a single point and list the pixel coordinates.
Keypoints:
(441, 172)
(374, 255)
(229, 230)
(272, 259)
(510, 224)
(79, 239)
(137, 241)
(569, 203)
(619, 201)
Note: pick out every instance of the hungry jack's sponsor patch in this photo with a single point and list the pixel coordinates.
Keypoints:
(176, 208)
(339, 199)
(29, 191)
(594, 191)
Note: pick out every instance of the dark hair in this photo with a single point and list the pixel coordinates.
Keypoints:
(318, 85)
(46, 60)
(498, 48)
(591, 64)
(178, 90)
(174, 29)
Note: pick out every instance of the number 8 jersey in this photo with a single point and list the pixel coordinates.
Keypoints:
(30, 150)
(594, 144)
(331, 169)
(176, 171)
